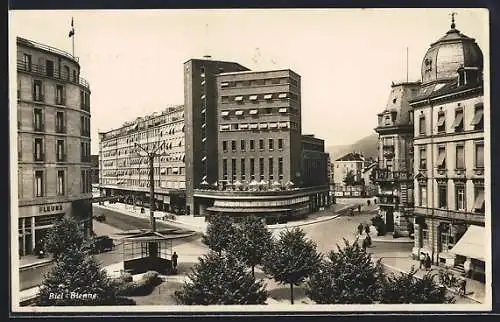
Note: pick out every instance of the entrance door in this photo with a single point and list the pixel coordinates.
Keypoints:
(389, 220)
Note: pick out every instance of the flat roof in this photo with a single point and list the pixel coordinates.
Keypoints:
(259, 72)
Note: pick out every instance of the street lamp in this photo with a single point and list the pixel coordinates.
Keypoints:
(151, 155)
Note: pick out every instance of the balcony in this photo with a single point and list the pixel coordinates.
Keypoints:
(62, 158)
(39, 158)
(61, 129)
(472, 217)
(56, 73)
(392, 170)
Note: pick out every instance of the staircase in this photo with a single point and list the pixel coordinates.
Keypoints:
(459, 268)
(404, 193)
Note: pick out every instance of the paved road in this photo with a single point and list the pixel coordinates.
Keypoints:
(124, 222)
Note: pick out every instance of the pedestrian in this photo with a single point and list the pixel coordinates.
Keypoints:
(359, 208)
(365, 243)
(428, 262)
(368, 240)
(463, 284)
(367, 229)
(174, 261)
(422, 261)
(360, 229)
(368, 202)
(352, 212)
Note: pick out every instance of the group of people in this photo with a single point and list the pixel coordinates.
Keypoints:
(425, 262)
(367, 241)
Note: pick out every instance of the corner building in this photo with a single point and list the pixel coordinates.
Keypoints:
(449, 155)
(53, 133)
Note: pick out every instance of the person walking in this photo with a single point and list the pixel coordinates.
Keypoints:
(359, 208)
(428, 262)
(174, 261)
(360, 229)
(463, 284)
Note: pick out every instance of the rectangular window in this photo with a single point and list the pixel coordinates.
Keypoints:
(421, 125)
(460, 197)
(271, 144)
(423, 196)
(252, 168)
(233, 169)
(38, 155)
(479, 155)
(441, 122)
(59, 95)
(233, 146)
(261, 168)
(242, 145)
(478, 120)
(460, 157)
(38, 119)
(261, 144)
(27, 62)
(66, 73)
(280, 144)
(82, 125)
(458, 124)
(37, 91)
(60, 183)
(271, 168)
(252, 145)
(441, 161)
(443, 196)
(423, 159)
(39, 182)
(224, 146)
(242, 169)
(224, 169)
(280, 167)
(479, 199)
(75, 77)
(82, 99)
(60, 128)
(60, 151)
(83, 181)
(49, 68)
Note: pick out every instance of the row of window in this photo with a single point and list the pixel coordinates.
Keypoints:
(251, 146)
(254, 98)
(264, 111)
(460, 197)
(260, 82)
(60, 121)
(156, 171)
(48, 68)
(40, 182)
(459, 156)
(258, 126)
(165, 146)
(145, 183)
(252, 168)
(458, 122)
(61, 156)
(38, 95)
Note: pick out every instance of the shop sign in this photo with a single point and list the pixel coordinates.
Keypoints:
(50, 208)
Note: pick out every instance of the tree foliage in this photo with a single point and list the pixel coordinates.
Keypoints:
(406, 288)
(348, 276)
(292, 259)
(221, 279)
(220, 233)
(350, 179)
(63, 235)
(253, 242)
(77, 279)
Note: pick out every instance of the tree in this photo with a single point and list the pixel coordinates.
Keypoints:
(220, 233)
(63, 235)
(406, 288)
(350, 179)
(254, 241)
(348, 276)
(292, 259)
(77, 279)
(221, 279)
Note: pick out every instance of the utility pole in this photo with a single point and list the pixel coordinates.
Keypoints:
(151, 157)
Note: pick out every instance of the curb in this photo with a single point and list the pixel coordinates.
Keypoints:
(380, 240)
(35, 265)
(305, 224)
(449, 289)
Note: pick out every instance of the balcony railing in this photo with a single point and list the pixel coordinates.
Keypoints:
(55, 73)
(40, 157)
(468, 216)
(61, 129)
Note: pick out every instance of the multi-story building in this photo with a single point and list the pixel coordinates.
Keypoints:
(124, 168)
(394, 172)
(94, 159)
(449, 153)
(201, 137)
(259, 149)
(53, 133)
(353, 163)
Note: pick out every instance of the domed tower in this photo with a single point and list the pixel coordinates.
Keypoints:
(450, 53)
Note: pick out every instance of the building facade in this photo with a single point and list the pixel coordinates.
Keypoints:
(124, 169)
(315, 162)
(53, 131)
(350, 163)
(449, 155)
(94, 159)
(394, 172)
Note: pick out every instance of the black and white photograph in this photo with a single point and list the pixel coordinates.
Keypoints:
(250, 160)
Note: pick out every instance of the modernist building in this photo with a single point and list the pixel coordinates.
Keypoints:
(53, 131)
(124, 170)
(449, 148)
(394, 172)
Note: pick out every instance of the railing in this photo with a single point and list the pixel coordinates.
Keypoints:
(55, 73)
(46, 48)
(451, 214)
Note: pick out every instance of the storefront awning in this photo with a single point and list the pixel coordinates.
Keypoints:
(247, 210)
(471, 244)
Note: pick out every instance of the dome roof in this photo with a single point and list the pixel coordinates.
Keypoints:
(450, 52)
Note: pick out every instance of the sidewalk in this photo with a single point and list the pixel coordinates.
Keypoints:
(199, 224)
(402, 262)
(31, 261)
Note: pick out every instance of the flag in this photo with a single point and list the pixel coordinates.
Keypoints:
(72, 31)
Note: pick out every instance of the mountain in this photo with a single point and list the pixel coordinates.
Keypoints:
(367, 146)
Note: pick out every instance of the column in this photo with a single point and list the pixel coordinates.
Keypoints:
(23, 246)
(33, 242)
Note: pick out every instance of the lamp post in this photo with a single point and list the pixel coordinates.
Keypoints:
(151, 156)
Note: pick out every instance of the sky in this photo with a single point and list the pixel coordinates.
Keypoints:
(347, 58)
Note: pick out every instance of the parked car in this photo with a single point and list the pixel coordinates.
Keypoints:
(100, 218)
(101, 244)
